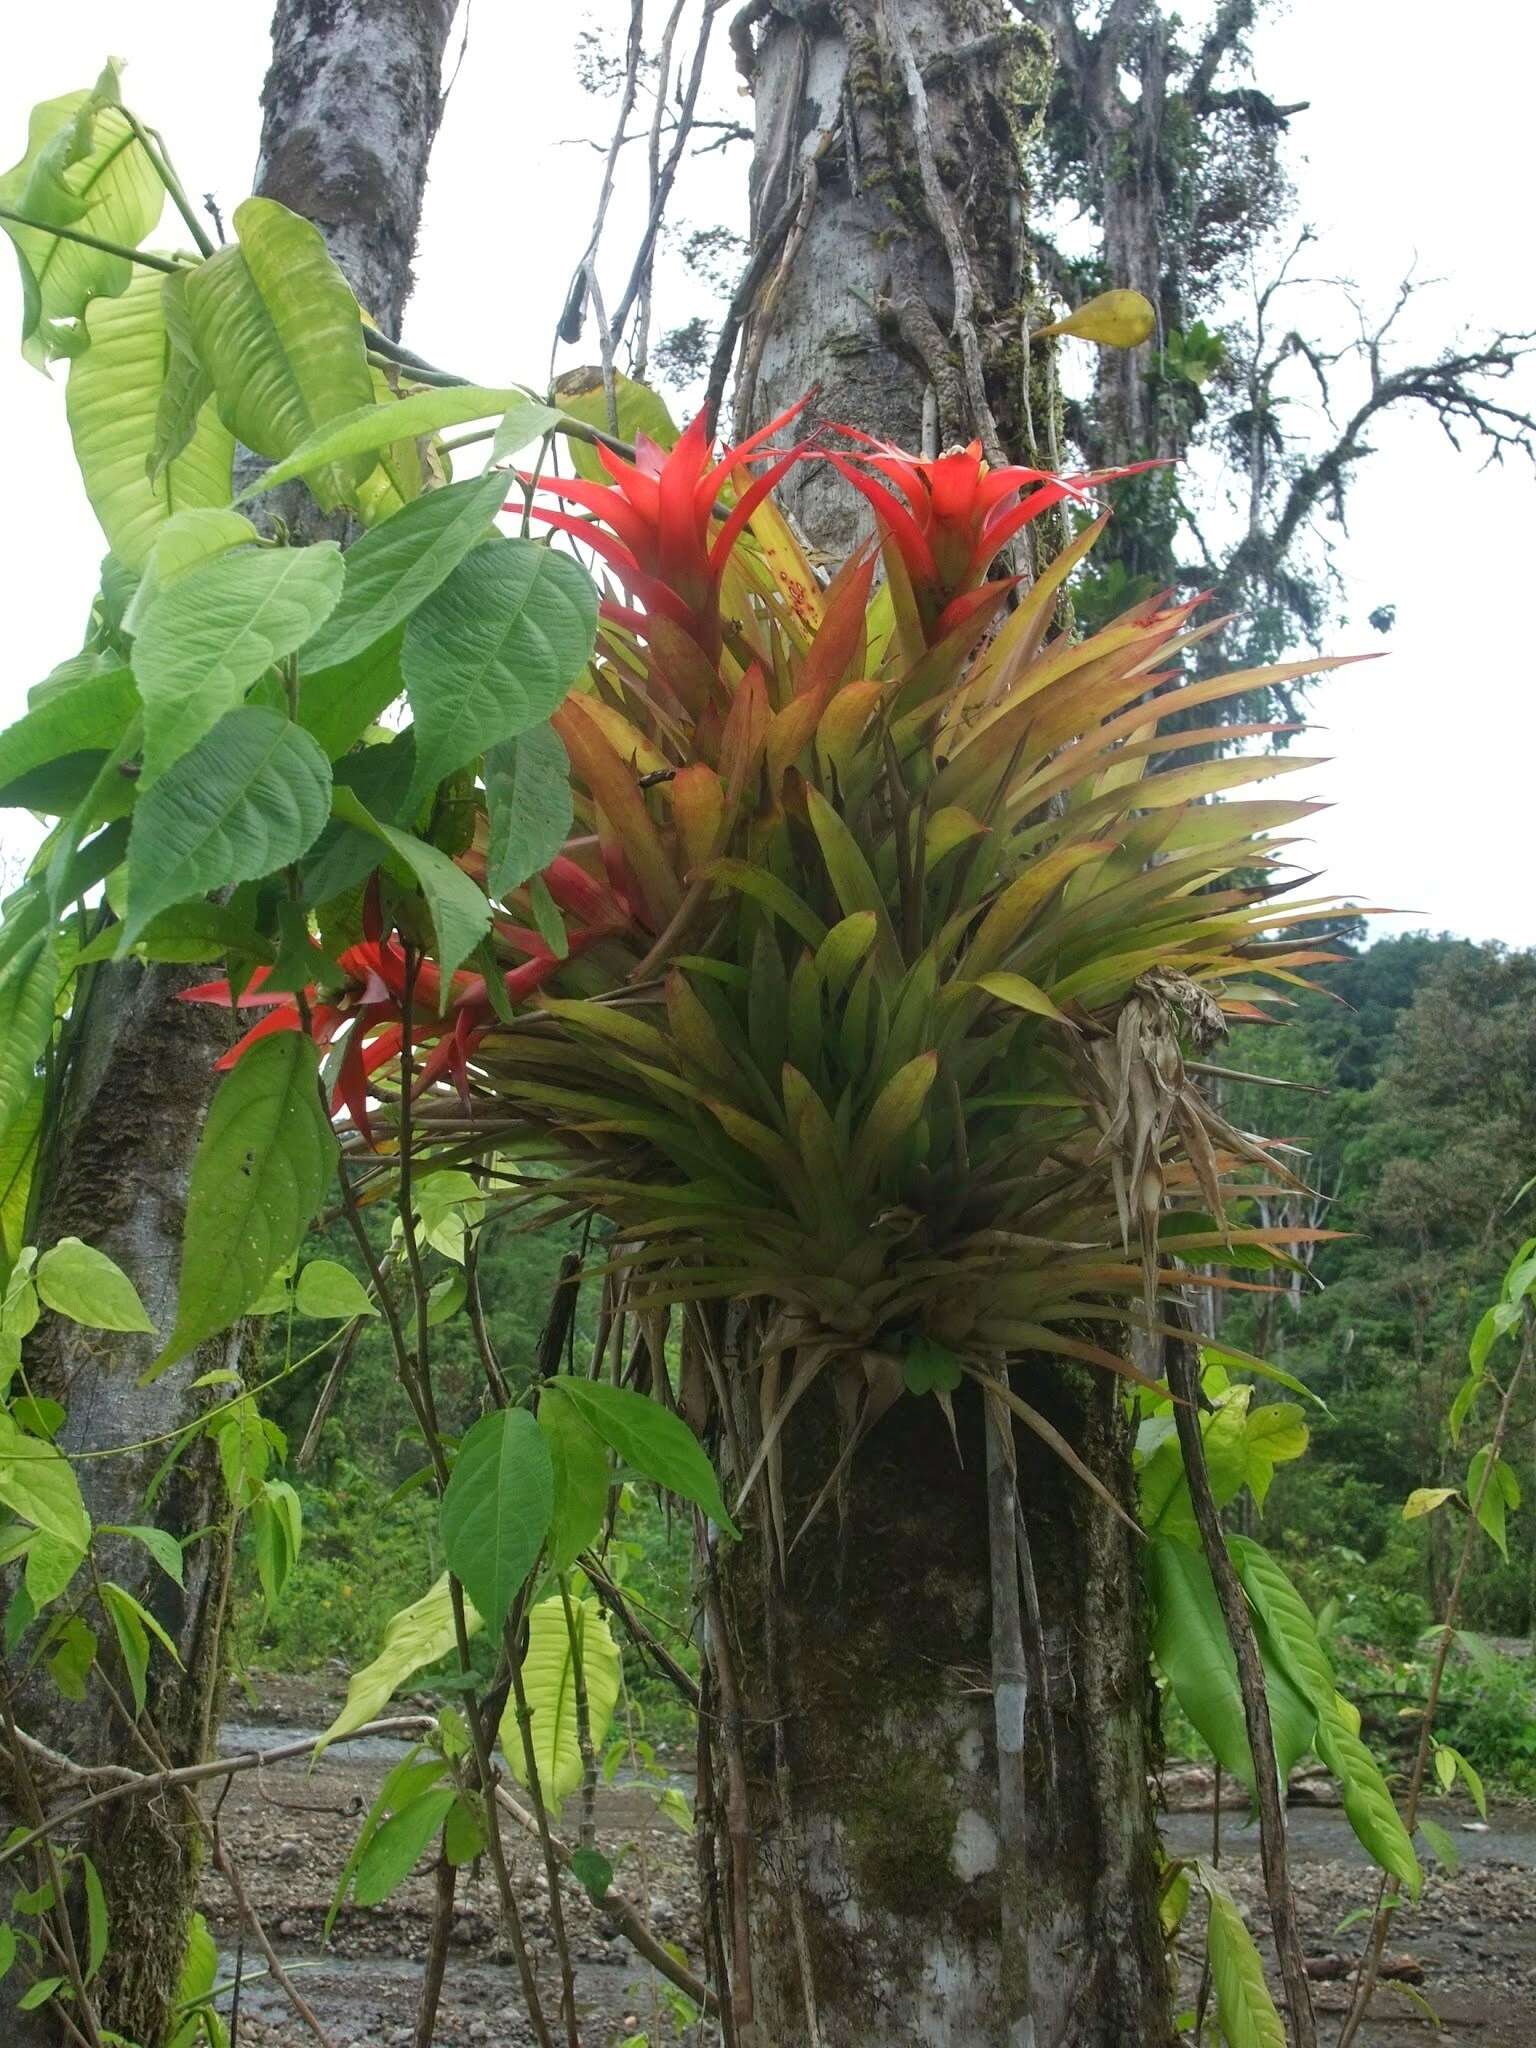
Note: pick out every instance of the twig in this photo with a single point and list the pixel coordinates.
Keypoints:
(1370, 1961)
(135, 1784)
(1010, 1703)
(139, 256)
(571, 317)
(621, 1910)
(792, 1861)
(1037, 1638)
(229, 1869)
(328, 1393)
(653, 184)
(562, 1314)
(738, 1819)
(1184, 1385)
(608, 1592)
(40, 1833)
(445, 1884)
(663, 191)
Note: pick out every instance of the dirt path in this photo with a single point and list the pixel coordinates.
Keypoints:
(1473, 1939)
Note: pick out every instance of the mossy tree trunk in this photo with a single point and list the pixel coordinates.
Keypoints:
(350, 111)
(871, 1861)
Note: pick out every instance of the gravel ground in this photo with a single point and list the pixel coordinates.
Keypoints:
(1469, 1949)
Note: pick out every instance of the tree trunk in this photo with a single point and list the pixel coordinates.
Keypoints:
(350, 111)
(873, 1865)
(865, 306)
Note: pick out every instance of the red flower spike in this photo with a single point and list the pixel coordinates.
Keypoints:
(949, 516)
(652, 523)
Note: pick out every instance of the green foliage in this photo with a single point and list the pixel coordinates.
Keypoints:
(491, 652)
(216, 630)
(496, 1509)
(570, 1674)
(264, 1162)
(250, 797)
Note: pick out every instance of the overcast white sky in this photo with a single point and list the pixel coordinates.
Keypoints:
(1415, 153)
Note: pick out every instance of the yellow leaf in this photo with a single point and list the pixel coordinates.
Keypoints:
(1120, 319)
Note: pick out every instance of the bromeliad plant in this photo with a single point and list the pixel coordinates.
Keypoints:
(919, 925)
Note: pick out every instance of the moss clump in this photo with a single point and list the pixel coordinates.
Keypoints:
(900, 1828)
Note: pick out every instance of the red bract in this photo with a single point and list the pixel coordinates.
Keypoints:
(655, 521)
(446, 1027)
(950, 516)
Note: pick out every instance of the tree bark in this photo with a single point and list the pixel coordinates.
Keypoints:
(865, 309)
(876, 1865)
(350, 111)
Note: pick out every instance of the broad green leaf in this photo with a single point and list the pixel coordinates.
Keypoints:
(38, 1993)
(83, 169)
(1288, 1637)
(372, 427)
(329, 1293)
(70, 1662)
(402, 1784)
(160, 1543)
(96, 1921)
(460, 914)
(593, 1872)
(199, 1974)
(419, 1634)
(250, 798)
(112, 401)
(78, 1281)
(528, 803)
(1189, 1640)
(1275, 1434)
(29, 986)
(649, 1438)
(339, 704)
(181, 544)
(1425, 1499)
(208, 636)
(641, 411)
(579, 1470)
(463, 1836)
(1243, 2004)
(20, 1140)
(244, 1452)
(930, 1368)
(85, 717)
(1492, 1489)
(496, 1509)
(278, 1521)
(280, 334)
(1368, 1802)
(400, 563)
(38, 1483)
(550, 1682)
(1472, 1781)
(51, 1565)
(185, 385)
(1441, 1845)
(493, 650)
(127, 1618)
(397, 1847)
(263, 1165)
